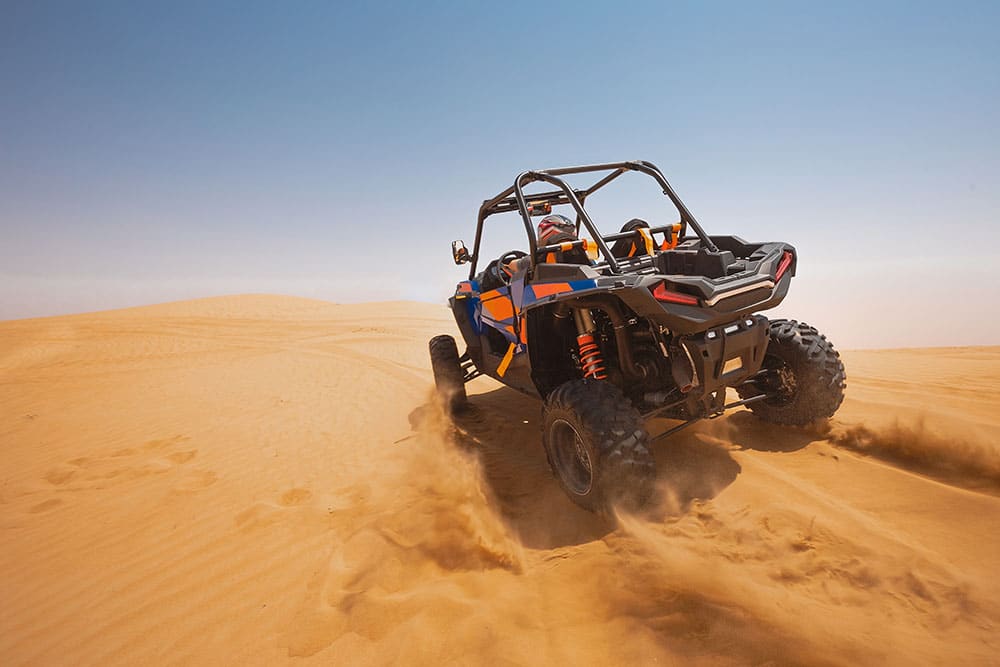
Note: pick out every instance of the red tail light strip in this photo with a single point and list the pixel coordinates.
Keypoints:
(660, 293)
(786, 261)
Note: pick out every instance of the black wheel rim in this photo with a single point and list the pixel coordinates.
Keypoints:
(571, 458)
(777, 380)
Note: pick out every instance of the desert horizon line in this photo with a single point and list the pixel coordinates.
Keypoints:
(277, 295)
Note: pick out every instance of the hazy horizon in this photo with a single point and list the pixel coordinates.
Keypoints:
(172, 152)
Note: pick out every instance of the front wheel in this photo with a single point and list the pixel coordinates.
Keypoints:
(597, 446)
(802, 375)
(449, 378)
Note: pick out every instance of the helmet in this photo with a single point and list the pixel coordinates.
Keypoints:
(554, 224)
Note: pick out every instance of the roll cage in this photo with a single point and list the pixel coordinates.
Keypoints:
(514, 199)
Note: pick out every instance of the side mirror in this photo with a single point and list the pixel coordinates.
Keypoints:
(460, 253)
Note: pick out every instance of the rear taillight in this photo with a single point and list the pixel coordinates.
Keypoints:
(786, 262)
(661, 293)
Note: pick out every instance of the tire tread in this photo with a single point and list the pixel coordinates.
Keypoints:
(602, 414)
(449, 378)
(818, 369)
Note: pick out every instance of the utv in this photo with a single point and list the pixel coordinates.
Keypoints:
(612, 330)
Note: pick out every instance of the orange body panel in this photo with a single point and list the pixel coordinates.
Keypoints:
(498, 306)
(549, 289)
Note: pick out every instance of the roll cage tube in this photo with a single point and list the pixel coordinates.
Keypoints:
(532, 176)
(513, 198)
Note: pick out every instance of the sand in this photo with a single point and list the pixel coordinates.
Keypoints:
(261, 480)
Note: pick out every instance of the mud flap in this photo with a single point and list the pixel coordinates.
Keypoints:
(505, 362)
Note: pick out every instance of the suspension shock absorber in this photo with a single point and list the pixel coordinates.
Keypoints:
(591, 359)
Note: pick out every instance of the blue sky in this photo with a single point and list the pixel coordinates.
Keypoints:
(160, 151)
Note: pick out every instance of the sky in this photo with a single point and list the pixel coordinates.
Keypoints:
(152, 152)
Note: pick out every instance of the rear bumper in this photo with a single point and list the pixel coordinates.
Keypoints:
(725, 356)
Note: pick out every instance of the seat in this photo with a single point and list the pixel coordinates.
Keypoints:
(634, 247)
(571, 256)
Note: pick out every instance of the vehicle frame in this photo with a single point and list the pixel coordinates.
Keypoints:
(711, 332)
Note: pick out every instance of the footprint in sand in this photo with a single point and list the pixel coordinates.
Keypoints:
(268, 513)
(295, 497)
(183, 457)
(196, 481)
(154, 457)
(45, 506)
(258, 516)
(163, 443)
(59, 476)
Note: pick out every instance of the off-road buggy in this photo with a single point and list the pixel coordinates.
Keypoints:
(612, 330)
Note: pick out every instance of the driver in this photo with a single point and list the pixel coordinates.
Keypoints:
(553, 229)
(551, 225)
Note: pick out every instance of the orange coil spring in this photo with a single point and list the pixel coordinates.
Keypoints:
(590, 357)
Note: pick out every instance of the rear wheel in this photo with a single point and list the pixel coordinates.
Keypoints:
(449, 378)
(597, 446)
(802, 375)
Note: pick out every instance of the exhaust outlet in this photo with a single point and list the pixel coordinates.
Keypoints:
(682, 368)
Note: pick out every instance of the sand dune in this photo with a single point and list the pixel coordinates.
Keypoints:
(257, 480)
